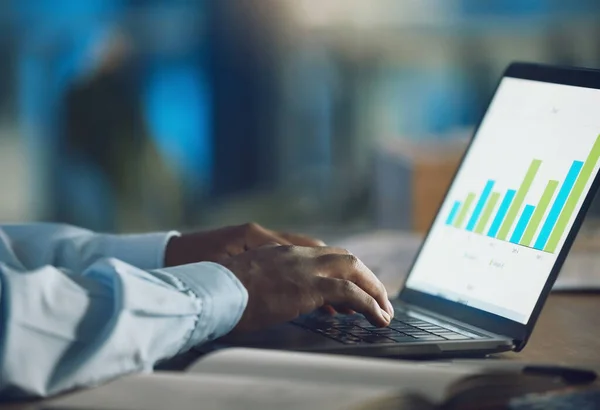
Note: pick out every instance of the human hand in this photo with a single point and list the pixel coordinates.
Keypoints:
(220, 244)
(284, 282)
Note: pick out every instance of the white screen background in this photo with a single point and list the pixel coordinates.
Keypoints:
(526, 120)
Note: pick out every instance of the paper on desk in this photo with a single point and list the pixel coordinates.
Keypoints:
(390, 254)
(184, 391)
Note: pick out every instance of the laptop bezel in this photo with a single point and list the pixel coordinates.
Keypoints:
(518, 332)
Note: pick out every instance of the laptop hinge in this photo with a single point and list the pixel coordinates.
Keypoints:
(519, 344)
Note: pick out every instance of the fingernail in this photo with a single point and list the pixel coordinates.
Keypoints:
(390, 308)
(386, 316)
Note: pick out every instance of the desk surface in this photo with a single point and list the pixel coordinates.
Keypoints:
(567, 332)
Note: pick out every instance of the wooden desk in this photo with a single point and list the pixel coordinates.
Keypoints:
(567, 332)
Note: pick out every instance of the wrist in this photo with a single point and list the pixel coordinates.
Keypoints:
(171, 251)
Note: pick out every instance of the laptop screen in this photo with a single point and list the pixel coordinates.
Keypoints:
(514, 200)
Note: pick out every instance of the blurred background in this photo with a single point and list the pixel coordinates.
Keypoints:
(131, 115)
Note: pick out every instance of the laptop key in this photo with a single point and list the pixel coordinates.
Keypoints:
(347, 328)
(349, 339)
(333, 333)
(416, 322)
(431, 328)
(407, 331)
(415, 332)
(357, 331)
(360, 321)
(383, 329)
(403, 329)
(318, 325)
(386, 332)
(400, 325)
(371, 329)
(320, 319)
(362, 333)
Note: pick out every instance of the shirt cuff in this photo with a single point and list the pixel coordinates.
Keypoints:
(144, 251)
(222, 296)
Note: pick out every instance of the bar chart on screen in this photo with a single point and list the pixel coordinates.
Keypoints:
(507, 216)
(515, 198)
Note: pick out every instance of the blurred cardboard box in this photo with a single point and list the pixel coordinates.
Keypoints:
(411, 179)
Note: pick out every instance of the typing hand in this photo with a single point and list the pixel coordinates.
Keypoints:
(284, 282)
(221, 244)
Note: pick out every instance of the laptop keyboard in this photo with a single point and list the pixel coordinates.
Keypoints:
(355, 329)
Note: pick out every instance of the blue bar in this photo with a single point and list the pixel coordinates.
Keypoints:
(522, 224)
(558, 205)
(453, 213)
(480, 204)
(508, 198)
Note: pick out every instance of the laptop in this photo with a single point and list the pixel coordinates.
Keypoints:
(500, 237)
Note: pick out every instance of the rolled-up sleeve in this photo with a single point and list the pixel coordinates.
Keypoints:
(63, 328)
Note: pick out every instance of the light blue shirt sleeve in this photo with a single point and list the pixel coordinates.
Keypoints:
(79, 308)
(30, 246)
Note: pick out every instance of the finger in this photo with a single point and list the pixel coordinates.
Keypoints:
(258, 236)
(329, 250)
(339, 292)
(300, 240)
(349, 267)
(317, 252)
(328, 309)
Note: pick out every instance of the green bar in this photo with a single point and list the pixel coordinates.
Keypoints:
(519, 199)
(537, 216)
(465, 210)
(487, 212)
(576, 192)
